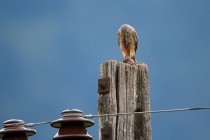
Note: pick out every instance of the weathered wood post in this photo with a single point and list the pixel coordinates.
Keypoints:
(128, 92)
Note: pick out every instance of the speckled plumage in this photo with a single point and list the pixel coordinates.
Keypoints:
(127, 40)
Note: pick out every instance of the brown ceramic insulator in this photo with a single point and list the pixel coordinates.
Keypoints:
(72, 125)
(15, 130)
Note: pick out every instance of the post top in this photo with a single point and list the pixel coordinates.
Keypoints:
(116, 62)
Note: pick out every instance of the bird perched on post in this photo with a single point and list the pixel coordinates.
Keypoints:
(128, 40)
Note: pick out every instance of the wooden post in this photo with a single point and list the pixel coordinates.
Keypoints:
(128, 92)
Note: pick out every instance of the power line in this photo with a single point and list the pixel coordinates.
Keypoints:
(144, 112)
(34, 124)
(129, 113)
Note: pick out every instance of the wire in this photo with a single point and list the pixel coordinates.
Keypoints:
(155, 111)
(129, 113)
(34, 124)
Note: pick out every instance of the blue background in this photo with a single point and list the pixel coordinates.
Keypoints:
(50, 53)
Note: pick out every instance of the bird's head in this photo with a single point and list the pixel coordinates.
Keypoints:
(126, 29)
(125, 32)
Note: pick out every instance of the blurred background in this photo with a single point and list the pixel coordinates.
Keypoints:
(50, 53)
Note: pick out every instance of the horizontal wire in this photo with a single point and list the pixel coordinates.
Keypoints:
(144, 112)
(129, 113)
(34, 124)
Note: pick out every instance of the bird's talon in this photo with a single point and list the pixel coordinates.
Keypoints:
(129, 61)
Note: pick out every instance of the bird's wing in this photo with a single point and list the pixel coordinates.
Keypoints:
(135, 36)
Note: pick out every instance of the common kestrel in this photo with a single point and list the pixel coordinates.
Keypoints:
(128, 40)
